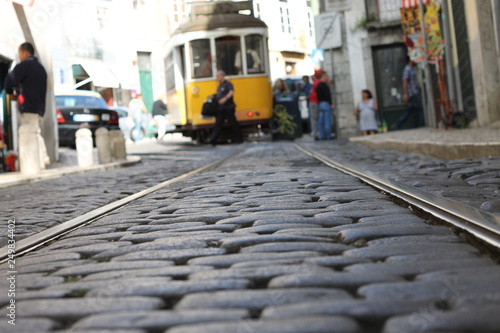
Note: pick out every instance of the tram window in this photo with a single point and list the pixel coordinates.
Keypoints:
(170, 74)
(201, 60)
(255, 54)
(228, 48)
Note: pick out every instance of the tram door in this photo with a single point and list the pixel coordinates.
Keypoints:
(176, 99)
(389, 62)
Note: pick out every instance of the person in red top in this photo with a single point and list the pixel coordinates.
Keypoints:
(313, 104)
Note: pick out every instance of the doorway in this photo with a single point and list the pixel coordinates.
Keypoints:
(389, 62)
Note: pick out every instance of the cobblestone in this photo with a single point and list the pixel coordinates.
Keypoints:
(257, 273)
(402, 268)
(327, 248)
(331, 280)
(364, 309)
(175, 255)
(70, 309)
(168, 288)
(92, 268)
(379, 252)
(317, 324)
(157, 320)
(231, 259)
(484, 320)
(258, 299)
(352, 235)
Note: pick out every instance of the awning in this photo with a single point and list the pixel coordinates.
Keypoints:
(127, 76)
(100, 74)
(412, 3)
(24, 2)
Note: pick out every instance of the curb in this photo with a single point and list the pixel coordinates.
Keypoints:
(15, 178)
(441, 150)
(445, 145)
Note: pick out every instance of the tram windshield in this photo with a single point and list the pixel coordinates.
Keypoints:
(228, 54)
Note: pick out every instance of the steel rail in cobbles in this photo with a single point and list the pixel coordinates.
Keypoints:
(33, 242)
(481, 224)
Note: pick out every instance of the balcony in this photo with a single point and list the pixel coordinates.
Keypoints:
(382, 13)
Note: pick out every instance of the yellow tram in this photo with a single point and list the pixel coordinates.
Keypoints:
(218, 37)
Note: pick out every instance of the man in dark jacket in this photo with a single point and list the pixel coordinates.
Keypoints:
(28, 80)
(225, 110)
(326, 107)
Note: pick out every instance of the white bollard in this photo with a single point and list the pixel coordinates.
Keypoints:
(29, 156)
(118, 149)
(84, 147)
(103, 145)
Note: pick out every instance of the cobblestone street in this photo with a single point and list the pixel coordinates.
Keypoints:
(270, 241)
(41, 205)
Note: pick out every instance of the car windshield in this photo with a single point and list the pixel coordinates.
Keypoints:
(75, 101)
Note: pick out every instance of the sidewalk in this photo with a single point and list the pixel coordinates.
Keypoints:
(67, 164)
(451, 144)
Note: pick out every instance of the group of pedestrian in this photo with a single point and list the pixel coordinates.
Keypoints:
(320, 105)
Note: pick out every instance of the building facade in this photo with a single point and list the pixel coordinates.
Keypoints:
(372, 55)
(291, 35)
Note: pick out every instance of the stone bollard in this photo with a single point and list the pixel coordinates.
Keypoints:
(29, 156)
(117, 145)
(84, 147)
(103, 145)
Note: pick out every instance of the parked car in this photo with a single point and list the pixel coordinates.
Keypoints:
(77, 107)
(295, 84)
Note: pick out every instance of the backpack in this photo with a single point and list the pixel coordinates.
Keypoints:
(250, 61)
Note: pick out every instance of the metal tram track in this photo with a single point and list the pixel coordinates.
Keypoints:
(482, 225)
(35, 241)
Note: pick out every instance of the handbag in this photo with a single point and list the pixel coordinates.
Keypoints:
(209, 108)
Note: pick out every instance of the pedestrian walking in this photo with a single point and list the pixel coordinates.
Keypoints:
(325, 107)
(411, 96)
(367, 112)
(160, 115)
(137, 111)
(27, 83)
(313, 104)
(225, 110)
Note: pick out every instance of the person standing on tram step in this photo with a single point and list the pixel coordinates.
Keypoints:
(325, 107)
(225, 110)
(29, 80)
(411, 96)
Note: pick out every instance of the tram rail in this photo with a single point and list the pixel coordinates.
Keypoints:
(481, 224)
